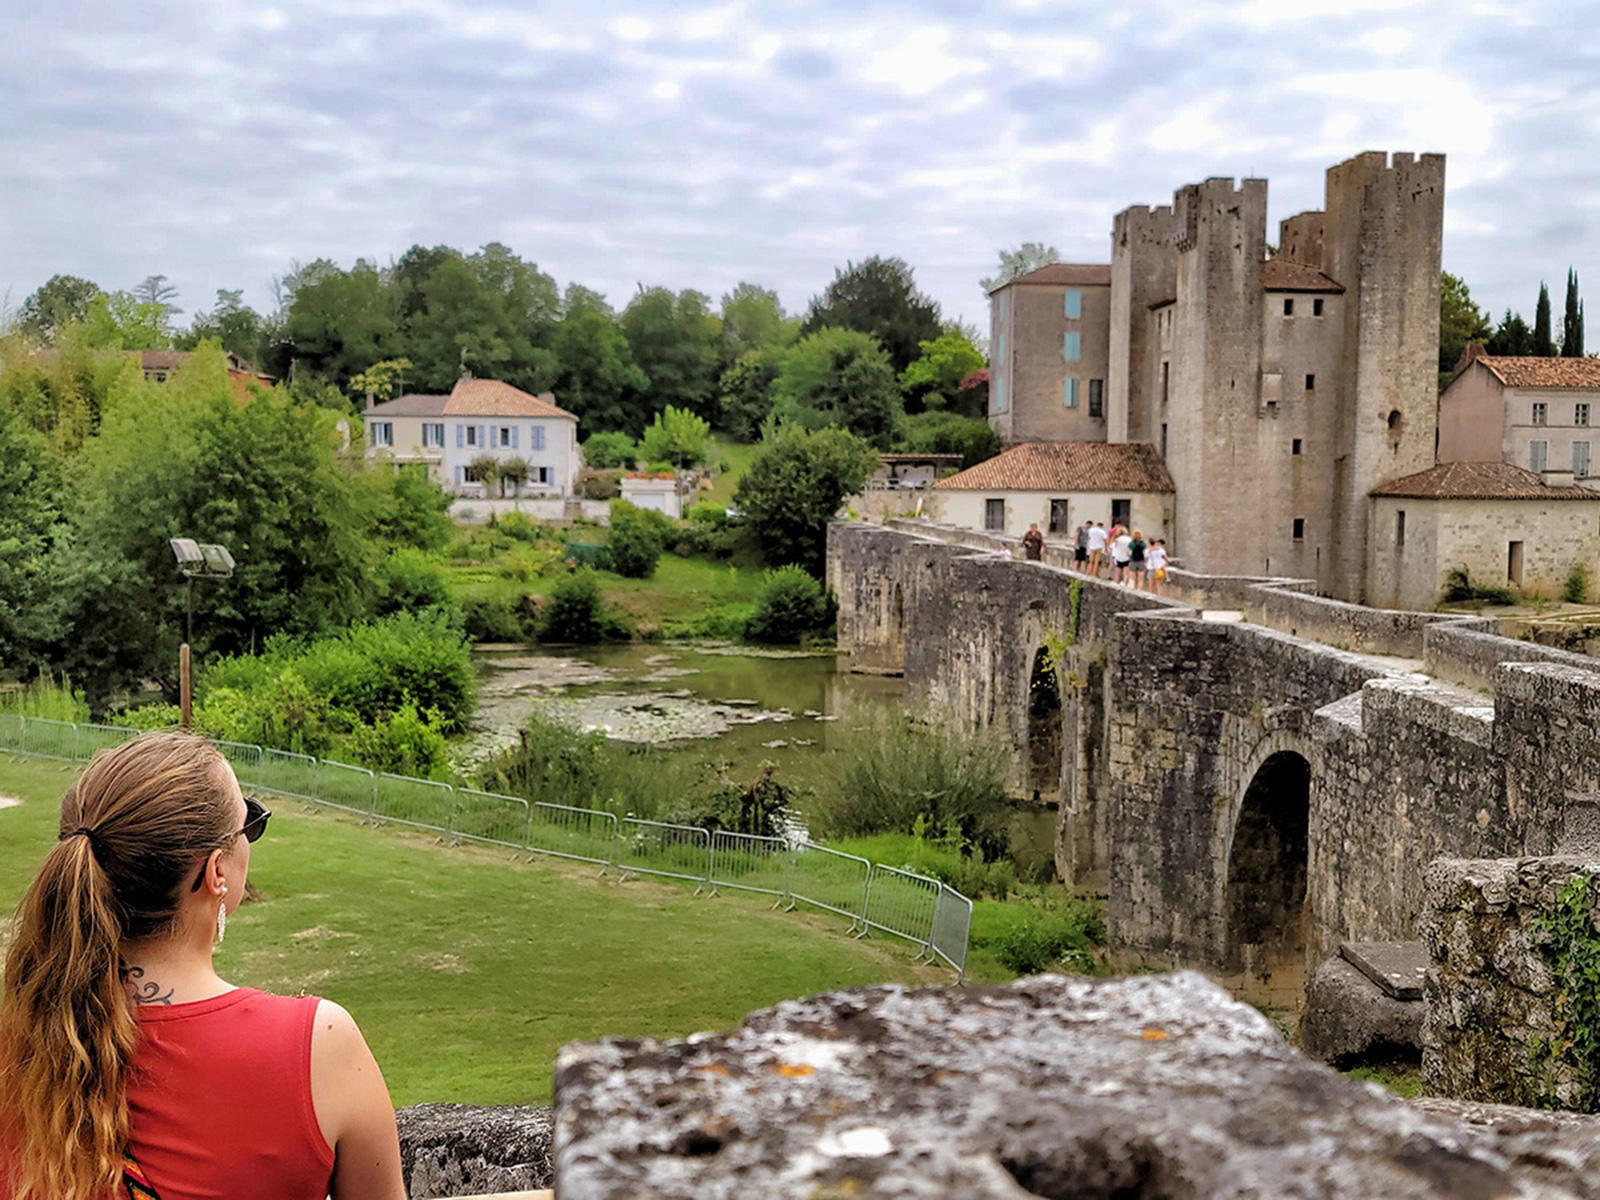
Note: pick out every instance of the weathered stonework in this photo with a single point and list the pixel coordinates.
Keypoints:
(460, 1149)
(1049, 1087)
(1248, 799)
(1492, 996)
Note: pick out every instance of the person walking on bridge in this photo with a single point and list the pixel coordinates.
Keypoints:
(1033, 543)
(1097, 547)
(1080, 546)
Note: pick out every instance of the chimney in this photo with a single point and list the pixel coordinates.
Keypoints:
(1470, 353)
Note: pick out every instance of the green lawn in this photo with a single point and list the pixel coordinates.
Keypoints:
(737, 455)
(468, 971)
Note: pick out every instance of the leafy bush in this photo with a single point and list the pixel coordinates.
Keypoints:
(500, 619)
(604, 451)
(410, 581)
(794, 487)
(575, 611)
(1459, 586)
(1577, 587)
(520, 526)
(792, 606)
(406, 742)
(758, 807)
(890, 770)
(949, 433)
(416, 511)
(598, 485)
(636, 541)
(47, 697)
(1049, 935)
(676, 436)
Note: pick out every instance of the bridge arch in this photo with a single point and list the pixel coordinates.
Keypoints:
(1265, 897)
(1047, 745)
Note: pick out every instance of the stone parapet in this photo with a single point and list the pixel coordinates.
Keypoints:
(459, 1149)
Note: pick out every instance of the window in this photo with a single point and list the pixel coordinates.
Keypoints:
(1121, 511)
(1163, 439)
(472, 435)
(1541, 413)
(1072, 306)
(1288, 308)
(1514, 562)
(505, 435)
(381, 433)
(541, 474)
(1580, 460)
(1166, 380)
(1400, 528)
(1069, 391)
(1071, 344)
(998, 396)
(1538, 453)
(1097, 397)
(1311, 383)
(1580, 414)
(1299, 529)
(1294, 446)
(433, 435)
(1058, 516)
(1316, 308)
(994, 514)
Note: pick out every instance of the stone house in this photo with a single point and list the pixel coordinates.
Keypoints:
(1279, 391)
(480, 418)
(1533, 412)
(1502, 523)
(1058, 485)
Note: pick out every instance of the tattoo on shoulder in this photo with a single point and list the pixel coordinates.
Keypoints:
(142, 990)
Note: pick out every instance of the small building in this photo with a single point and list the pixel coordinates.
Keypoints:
(1049, 354)
(907, 471)
(1058, 485)
(1533, 412)
(1501, 523)
(532, 439)
(658, 493)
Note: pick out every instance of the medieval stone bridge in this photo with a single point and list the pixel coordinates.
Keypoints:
(1247, 794)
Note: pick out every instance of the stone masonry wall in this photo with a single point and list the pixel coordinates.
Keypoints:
(1494, 1001)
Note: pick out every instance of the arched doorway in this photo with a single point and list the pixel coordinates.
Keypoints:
(1044, 729)
(1267, 881)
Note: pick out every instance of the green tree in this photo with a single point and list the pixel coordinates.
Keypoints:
(1543, 346)
(792, 606)
(240, 329)
(753, 319)
(605, 451)
(949, 433)
(598, 380)
(1512, 336)
(154, 290)
(1572, 321)
(122, 322)
(935, 379)
(1029, 256)
(380, 381)
(676, 436)
(635, 541)
(745, 392)
(838, 377)
(61, 301)
(492, 314)
(30, 530)
(795, 485)
(337, 323)
(60, 396)
(878, 297)
(1460, 320)
(675, 340)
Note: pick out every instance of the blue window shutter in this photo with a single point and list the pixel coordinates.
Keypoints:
(493, 436)
(461, 440)
(1070, 343)
(538, 437)
(1069, 392)
(1072, 307)
(514, 438)
(483, 436)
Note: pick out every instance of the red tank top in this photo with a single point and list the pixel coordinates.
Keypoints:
(219, 1099)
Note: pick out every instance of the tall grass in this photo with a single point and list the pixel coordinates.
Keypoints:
(893, 773)
(46, 697)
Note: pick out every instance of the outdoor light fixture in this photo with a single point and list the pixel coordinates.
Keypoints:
(195, 561)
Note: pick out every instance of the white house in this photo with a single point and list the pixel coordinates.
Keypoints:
(481, 418)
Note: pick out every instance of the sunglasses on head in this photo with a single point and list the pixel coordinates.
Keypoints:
(256, 815)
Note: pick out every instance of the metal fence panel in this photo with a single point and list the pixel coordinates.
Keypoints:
(347, 787)
(660, 848)
(756, 864)
(93, 738)
(585, 834)
(421, 803)
(831, 879)
(245, 760)
(51, 739)
(286, 774)
(490, 818)
(952, 927)
(13, 732)
(902, 903)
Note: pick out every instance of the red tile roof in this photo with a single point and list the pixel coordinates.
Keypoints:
(491, 398)
(1575, 374)
(1067, 467)
(1070, 274)
(1286, 275)
(1481, 481)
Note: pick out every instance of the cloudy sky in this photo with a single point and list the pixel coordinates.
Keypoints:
(696, 144)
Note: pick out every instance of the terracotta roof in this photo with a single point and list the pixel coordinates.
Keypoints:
(491, 398)
(1081, 274)
(1577, 374)
(1067, 467)
(163, 360)
(1481, 481)
(412, 404)
(1286, 275)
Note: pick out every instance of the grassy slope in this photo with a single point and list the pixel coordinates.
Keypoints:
(468, 972)
(737, 455)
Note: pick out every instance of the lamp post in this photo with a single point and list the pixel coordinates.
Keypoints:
(195, 561)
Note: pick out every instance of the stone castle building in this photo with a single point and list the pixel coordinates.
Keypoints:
(1280, 389)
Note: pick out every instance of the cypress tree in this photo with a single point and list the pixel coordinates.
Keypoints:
(1543, 346)
(1572, 320)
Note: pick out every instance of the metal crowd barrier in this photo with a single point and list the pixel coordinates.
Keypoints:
(792, 870)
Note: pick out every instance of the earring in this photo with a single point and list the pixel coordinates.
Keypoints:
(222, 916)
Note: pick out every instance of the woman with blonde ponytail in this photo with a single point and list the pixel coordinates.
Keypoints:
(128, 1067)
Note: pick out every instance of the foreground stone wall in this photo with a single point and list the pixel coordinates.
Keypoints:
(461, 1149)
(1495, 1017)
(1049, 1087)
